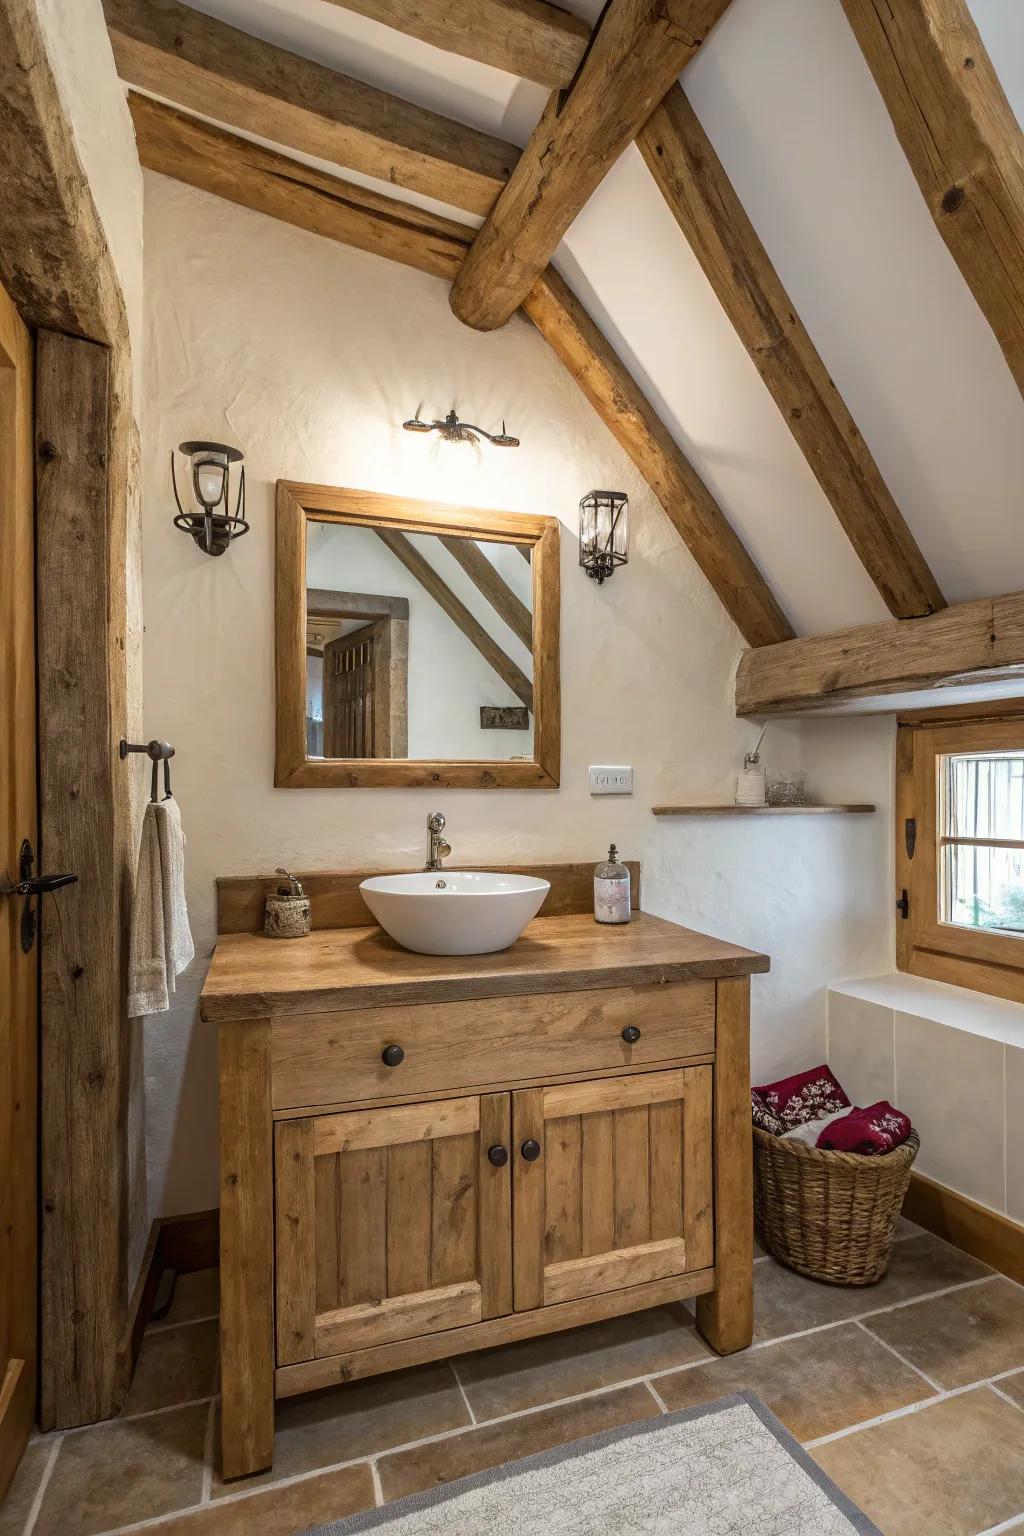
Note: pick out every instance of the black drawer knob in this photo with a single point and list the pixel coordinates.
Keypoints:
(631, 1034)
(530, 1150)
(391, 1055)
(498, 1156)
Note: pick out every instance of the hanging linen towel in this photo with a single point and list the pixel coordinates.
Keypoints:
(161, 941)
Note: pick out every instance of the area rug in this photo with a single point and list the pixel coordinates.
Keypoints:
(727, 1468)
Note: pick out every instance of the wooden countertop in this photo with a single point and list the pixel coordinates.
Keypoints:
(252, 976)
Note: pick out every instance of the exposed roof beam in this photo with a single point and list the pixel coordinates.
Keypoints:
(691, 177)
(203, 64)
(970, 642)
(634, 423)
(540, 42)
(635, 55)
(963, 142)
(498, 593)
(405, 551)
(261, 179)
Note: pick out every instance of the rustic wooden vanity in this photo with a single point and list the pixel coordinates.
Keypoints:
(425, 1155)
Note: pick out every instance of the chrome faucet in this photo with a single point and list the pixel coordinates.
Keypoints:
(439, 849)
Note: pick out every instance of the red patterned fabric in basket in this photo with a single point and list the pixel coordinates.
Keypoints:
(877, 1129)
(802, 1097)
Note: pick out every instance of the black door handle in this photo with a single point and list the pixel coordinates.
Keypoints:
(530, 1150)
(631, 1034)
(498, 1156)
(40, 885)
(392, 1055)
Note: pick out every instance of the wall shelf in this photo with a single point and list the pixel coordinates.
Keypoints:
(762, 810)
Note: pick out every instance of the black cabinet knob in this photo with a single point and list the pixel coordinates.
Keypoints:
(530, 1150)
(498, 1156)
(391, 1055)
(631, 1034)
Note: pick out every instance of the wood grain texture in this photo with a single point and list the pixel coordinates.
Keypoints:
(410, 1182)
(19, 986)
(193, 60)
(356, 967)
(337, 903)
(323, 1057)
(392, 517)
(357, 1364)
(393, 1126)
(295, 1240)
(246, 1248)
(698, 1168)
(614, 1093)
(528, 1200)
(636, 53)
(495, 1204)
(682, 160)
(873, 660)
(530, 38)
(485, 577)
(436, 587)
(989, 1236)
(632, 1168)
(396, 1317)
(636, 426)
(963, 143)
(762, 810)
(725, 1316)
(611, 1271)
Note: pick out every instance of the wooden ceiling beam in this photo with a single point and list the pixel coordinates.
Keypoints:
(968, 642)
(417, 565)
(205, 65)
(683, 162)
(963, 142)
(492, 586)
(530, 38)
(216, 161)
(635, 54)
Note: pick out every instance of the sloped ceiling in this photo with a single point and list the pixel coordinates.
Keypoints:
(786, 98)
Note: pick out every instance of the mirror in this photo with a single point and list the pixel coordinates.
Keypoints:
(417, 643)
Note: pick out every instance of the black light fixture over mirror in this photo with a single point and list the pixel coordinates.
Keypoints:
(215, 525)
(452, 430)
(604, 533)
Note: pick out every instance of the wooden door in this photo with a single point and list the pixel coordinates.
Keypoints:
(353, 712)
(612, 1184)
(18, 970)
(391, 1223)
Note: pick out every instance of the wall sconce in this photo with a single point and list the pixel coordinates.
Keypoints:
(604, 533)
(453, 430)
(211, 529)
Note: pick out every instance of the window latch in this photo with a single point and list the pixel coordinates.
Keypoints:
(903, 905)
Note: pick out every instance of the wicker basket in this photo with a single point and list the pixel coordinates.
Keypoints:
(830, 1215)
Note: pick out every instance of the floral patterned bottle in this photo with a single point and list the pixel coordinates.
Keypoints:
(611, 890)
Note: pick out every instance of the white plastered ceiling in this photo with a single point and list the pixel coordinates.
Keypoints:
(785, 95)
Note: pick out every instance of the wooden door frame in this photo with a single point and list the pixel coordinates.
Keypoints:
(391, 659)
(56, 265)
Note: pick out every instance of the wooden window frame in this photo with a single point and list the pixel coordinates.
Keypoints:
(297, 503)
(979, 959)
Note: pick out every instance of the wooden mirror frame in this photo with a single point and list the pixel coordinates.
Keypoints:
(296, 504)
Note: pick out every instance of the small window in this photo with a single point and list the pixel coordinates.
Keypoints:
(960, 852)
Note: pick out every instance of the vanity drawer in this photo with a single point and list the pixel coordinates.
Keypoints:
(335, 1058)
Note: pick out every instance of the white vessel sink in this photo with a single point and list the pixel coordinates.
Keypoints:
(454, 912)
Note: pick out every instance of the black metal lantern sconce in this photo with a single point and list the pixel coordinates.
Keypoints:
(604, 533)
(216, 525)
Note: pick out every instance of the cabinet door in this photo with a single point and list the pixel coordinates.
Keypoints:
(391, 1223)
(612, 1184)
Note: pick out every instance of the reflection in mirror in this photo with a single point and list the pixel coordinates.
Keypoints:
(417, 645)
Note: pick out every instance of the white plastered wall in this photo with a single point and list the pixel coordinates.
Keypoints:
(310, 355)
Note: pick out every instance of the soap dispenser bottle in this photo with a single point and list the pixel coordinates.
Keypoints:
(611, 890)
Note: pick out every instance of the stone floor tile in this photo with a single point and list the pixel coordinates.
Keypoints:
(280, 1510)
(1013, 1386)
(123, 1471)
(175, 1365)
(360, 1419)
(195, 1295)
(785, 1302)
(15, 1507)
(816, 1384)
(962, 1337)
(557, 1365)
(954, 1468)
(441, 1461)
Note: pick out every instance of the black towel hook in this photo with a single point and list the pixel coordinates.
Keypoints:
(159, 752)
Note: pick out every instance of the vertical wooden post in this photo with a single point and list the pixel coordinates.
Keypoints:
(726, 1315)
(246, 1247)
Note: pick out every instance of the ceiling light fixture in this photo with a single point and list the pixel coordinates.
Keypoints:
(452, 430)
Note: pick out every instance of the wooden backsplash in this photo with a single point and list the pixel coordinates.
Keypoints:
(336, 902)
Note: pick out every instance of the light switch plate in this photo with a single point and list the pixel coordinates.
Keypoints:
(611, 781)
